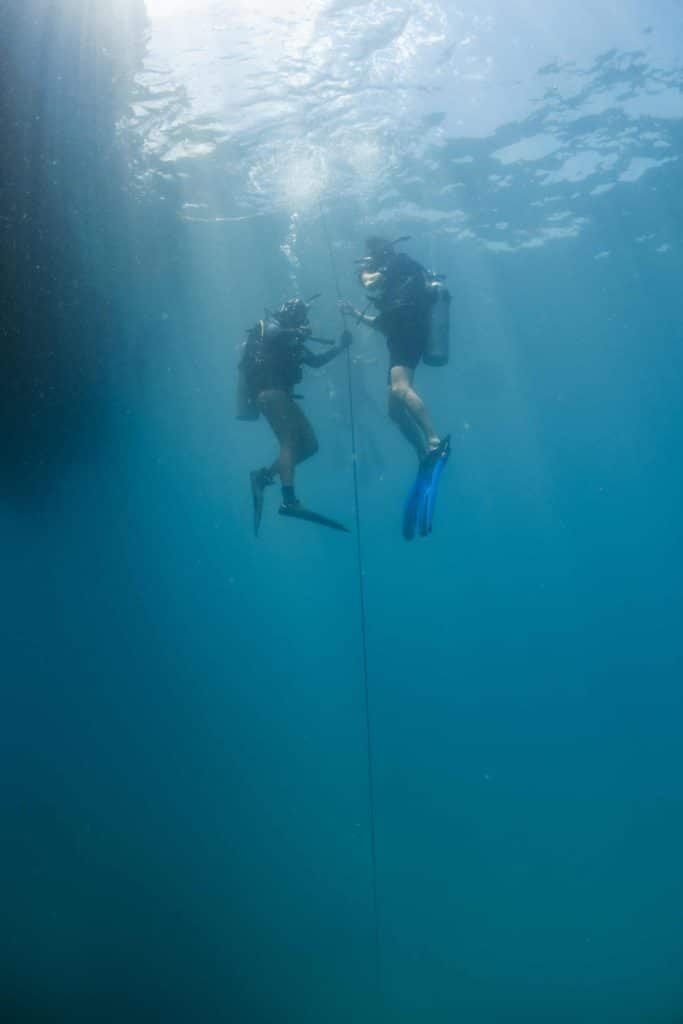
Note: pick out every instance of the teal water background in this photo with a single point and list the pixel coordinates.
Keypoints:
(185, 805)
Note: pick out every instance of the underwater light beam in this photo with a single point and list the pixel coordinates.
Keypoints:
(179, 8)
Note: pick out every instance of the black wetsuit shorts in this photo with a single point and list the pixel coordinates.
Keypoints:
(406, 346)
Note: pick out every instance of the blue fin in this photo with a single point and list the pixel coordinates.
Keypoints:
(438, 460)
(418, 513)
(413, 504)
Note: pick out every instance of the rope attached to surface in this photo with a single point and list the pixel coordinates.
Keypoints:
(364, 643)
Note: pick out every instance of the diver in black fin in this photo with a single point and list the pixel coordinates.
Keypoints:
(270, 367)
(418, 512)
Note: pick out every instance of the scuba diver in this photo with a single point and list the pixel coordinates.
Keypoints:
(270, 366)
(413, 313)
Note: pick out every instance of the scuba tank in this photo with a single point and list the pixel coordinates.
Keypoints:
(270, 357)
(437, 346)
(246, 407)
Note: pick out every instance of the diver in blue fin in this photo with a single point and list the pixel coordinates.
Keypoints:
(413, 314)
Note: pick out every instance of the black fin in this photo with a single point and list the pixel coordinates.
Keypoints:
(259, 481)
(298, 511)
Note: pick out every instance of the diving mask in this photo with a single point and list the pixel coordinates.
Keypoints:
(373, 282)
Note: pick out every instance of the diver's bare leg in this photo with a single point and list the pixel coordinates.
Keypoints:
(407, 425)
(405, 405)
(293, 431)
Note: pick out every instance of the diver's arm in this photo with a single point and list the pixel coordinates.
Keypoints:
(347, 309)
(365, 318)
(317, 360)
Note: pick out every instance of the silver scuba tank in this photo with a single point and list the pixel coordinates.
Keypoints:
(246, 407)
(437, 347)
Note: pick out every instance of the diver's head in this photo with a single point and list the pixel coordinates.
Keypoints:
(377, 248)
(293, 313)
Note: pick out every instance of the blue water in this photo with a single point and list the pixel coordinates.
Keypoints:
(186, 829)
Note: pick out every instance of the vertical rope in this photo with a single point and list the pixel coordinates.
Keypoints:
(363, 630)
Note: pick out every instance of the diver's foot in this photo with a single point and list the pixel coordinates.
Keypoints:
(437, 449)
(287, 508)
